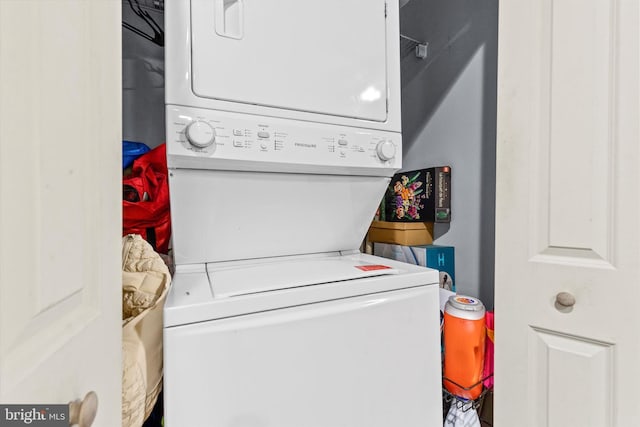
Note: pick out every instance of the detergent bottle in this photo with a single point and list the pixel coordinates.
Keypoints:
(464, 342)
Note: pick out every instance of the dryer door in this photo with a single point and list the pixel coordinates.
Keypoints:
(322, 56)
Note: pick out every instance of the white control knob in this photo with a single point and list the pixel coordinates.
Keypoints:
(200, 134)
(386, 150)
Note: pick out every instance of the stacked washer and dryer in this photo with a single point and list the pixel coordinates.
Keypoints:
(283, 130)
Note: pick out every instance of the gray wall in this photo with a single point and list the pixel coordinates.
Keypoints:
(448, 118)
(142, 81)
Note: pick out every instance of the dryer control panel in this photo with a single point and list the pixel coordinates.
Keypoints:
(208, 139)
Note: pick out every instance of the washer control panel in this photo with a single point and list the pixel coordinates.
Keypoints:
(194, 133)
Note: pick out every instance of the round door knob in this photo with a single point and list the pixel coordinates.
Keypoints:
(83, 412)
(386, 150)
(200, 134)
(565, 299)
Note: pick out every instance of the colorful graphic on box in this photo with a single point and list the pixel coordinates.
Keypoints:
(418, 196)
(408, 197)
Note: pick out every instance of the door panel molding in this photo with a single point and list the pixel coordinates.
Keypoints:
(571, 380)
(572, 178)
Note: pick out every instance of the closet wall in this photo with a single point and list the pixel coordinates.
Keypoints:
(142, 77)
(448, 118)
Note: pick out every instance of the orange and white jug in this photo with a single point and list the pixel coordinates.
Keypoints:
(464, 340)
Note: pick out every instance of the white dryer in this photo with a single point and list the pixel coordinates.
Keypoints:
(327, 61)
(283, 129)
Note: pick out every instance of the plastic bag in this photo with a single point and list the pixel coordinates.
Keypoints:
(145, 200)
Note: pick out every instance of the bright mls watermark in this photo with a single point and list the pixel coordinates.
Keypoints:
(34, 415)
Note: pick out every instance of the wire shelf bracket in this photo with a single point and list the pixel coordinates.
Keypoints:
(410, 45)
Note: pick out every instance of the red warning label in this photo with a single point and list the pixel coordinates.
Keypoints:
(371, 267)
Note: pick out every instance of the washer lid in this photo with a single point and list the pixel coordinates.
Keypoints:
(273, 276)
(195, 294)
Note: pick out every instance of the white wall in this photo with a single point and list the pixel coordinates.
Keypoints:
(448, 113)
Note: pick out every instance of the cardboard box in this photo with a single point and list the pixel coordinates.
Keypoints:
(401, 233)
(441, 258)
(419, 195)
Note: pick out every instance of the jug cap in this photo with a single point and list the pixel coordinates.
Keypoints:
(466, 303)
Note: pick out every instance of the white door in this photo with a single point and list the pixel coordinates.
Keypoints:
(568, 214)
(322, 56)
(60, 132)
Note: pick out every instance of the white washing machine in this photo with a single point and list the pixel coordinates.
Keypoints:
(283, 129)
(312, 341)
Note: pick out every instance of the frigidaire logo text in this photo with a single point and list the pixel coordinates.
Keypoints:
(303, 145)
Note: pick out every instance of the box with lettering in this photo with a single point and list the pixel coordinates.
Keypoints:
(441, 258)
(418, 196)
